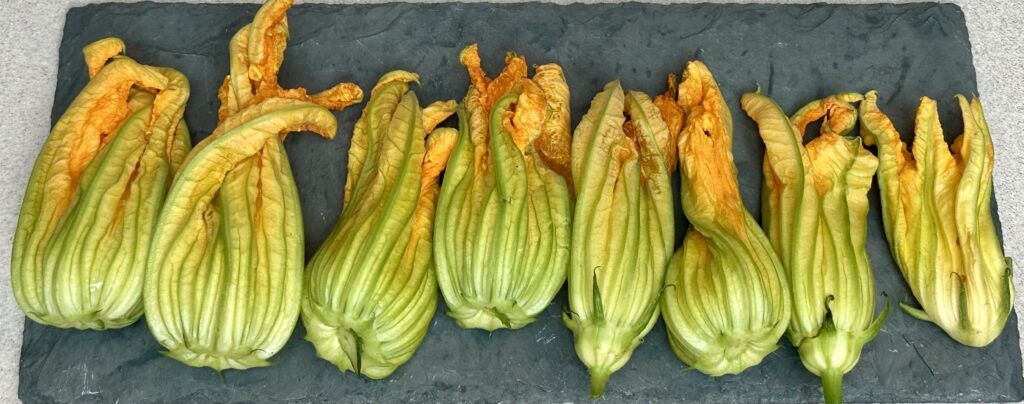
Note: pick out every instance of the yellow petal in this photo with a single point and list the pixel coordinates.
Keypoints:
(98, 53)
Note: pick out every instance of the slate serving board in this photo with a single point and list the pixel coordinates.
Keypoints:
(797, 53)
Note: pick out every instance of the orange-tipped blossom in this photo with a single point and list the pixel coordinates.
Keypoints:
(370, 290)
(938, 219)
(726, 300)
(95, 192)
(623, 231)
(814, 210)
(224, 280)
(504, 210)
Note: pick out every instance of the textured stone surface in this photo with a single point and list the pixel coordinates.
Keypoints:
(796, 53)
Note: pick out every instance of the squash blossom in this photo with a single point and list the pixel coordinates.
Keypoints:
(224, 279)
(88, 213)
(623, 231)
(726, 302)
(370, 289)
(814, 210)
(938, 220)
(504, 210)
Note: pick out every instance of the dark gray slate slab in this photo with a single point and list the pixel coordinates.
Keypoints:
(797, 53)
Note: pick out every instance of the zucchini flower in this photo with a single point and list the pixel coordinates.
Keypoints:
(225, 272)
(83, 235)
(224, 279)
(814, 210)
(623, 231)
(938, 220)
(370, 289)
(504, 210)
(726, 301)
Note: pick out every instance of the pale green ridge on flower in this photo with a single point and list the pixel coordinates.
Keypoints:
(92, 200)
(814, 210)
(726, 301)
(370, 289)
(505, 205)
(938, 219)
(623, 231)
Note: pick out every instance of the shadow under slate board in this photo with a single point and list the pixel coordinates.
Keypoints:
(796, 53)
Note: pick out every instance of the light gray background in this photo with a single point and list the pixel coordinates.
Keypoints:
(30, 33)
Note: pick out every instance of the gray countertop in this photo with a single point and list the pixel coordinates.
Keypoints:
(30, 33)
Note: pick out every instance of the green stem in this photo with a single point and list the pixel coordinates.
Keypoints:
(598, 379)
(832, 386)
